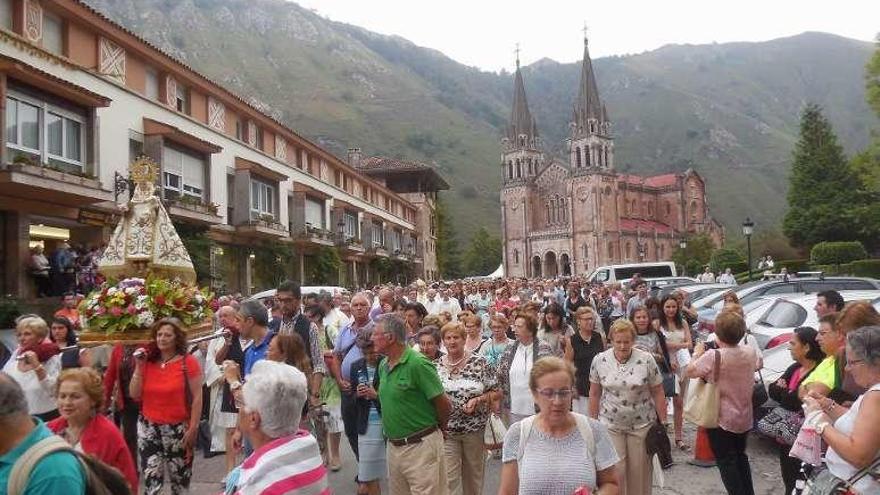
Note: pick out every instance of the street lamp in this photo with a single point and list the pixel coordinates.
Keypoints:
(748, 228)
(683, 244)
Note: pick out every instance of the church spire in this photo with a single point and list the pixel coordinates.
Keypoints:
(587, 105)
(522, 124)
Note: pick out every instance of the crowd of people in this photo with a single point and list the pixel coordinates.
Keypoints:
(65, 269)
(573, 382)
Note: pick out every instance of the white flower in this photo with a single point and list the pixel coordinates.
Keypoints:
(145, 319)
(142, 300)
(199, 299)
(112, 290)
(132, 290)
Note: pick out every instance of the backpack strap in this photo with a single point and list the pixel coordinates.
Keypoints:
(24, 465)
(525, 428)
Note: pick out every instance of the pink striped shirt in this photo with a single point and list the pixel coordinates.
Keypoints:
(288, 465)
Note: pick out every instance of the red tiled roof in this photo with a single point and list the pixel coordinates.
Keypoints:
(652, 181)
(645, 226)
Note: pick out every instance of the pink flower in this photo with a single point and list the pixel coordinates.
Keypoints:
(132, 310)
(101, 310)
(116, 311)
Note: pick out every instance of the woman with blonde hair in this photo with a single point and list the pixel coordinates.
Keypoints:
(80, 394)
(469, 383)
(35, 367)
(556, 450)
(626, 395)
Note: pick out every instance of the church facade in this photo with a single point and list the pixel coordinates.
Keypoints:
(566, 217)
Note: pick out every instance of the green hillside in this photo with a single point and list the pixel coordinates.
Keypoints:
(729, 111)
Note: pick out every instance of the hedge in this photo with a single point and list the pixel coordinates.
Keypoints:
(835, 253)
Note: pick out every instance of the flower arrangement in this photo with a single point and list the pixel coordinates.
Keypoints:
(135, 303)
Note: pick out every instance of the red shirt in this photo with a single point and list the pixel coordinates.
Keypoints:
(102, 439)
(163, 399)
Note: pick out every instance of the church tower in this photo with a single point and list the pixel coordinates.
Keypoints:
(591, 145)
(521, 156)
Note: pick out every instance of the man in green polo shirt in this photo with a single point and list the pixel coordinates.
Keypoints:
(58, 473)
(414, 413)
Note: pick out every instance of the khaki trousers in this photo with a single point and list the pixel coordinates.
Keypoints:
(465, 463)
(635, 468)
(419, 468)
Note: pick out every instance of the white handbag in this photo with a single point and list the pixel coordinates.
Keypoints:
(493, 435)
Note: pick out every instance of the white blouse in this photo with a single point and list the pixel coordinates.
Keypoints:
(40, 395)
(521, 400)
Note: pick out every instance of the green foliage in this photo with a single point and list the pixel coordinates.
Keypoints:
(448, 255)
(858, 268)
(325, 270)
(199, 246)
(9, 311)
(273, 261)
(822, 185)
(726, 257)
(483, 255)
(827, 253)
(696, 255)
(872, 80)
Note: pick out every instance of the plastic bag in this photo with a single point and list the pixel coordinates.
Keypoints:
(807, 446)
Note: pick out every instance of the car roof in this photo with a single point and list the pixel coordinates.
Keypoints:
(749, 287)
(848, 295)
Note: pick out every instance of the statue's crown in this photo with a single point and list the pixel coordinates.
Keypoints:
(144, 171)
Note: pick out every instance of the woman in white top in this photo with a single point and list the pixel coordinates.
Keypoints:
(853, 436)
(35, 371)
(515, 365)
(678, 342)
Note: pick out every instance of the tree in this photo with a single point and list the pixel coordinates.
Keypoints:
(823, 189)
(726, 257)
(696, 255)
(448, 255)
(872, 79)
(483, 255)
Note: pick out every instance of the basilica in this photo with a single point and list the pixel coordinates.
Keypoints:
(566, 217)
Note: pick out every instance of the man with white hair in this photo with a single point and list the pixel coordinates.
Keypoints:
(286, 459)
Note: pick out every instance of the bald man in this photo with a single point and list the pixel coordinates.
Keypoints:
(346, 353)
(386, 298)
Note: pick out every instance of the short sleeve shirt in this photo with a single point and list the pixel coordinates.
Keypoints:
(256, 352)
(406, 392)
(824, 373)
(626, 403)
(735, 384)
(164, 390)
(558, 466)
(56, 474)
(474, 379)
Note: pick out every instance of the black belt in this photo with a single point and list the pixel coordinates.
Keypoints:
(414, 438)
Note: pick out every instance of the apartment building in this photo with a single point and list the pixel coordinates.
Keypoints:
(82, 97)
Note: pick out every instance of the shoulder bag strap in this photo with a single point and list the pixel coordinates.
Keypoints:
(525, 429)
(583, 425)
(717, 366)
(21, 470)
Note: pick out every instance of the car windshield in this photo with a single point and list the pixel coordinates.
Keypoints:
(784, 314)
(739, 289)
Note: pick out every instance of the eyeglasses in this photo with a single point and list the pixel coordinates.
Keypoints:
(285, 299)
(561, 394)
(853, 362)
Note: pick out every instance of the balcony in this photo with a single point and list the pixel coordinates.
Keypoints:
(194, 210)
(29, 180)
(263, 227)
(312, 235)
(377, 250)
(402, 255)
(350, 244)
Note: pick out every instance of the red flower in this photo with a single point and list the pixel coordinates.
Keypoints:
(132, 310)
(159, 300)
(215, 304)
(116, 311)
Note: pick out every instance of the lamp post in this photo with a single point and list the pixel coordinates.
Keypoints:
(683, 244)
(748, 228)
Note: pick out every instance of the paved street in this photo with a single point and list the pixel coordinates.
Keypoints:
(681, 479)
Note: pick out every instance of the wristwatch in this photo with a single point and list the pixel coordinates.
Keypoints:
(820, 428)
(235, 385)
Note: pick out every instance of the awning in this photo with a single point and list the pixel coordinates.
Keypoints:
(167, 131)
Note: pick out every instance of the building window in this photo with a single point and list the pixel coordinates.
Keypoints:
(314, 212)
(378, 234)
(586, 252)
(259, 143)
(577, 154)
(53, 37)
(182, 99)
(262, 198)
(151, 83)
(6, 14)
(516, 256)
(610, 250)
(44, 132)
(349, 224)
(183, 174)
(396, 240)
(239, 129)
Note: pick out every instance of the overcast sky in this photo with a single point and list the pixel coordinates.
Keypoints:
(483, 33)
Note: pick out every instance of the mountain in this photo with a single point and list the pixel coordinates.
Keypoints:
(730, 111)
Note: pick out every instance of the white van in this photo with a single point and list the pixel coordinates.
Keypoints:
(618, 273)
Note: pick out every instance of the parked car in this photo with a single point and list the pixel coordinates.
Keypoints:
(776, 356)
(619, 273)
(306, 289)
(695, 290)
(788, 313)
(708, 307)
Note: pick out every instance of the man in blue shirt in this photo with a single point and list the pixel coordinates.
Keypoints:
(345, 353)
(58, 473)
